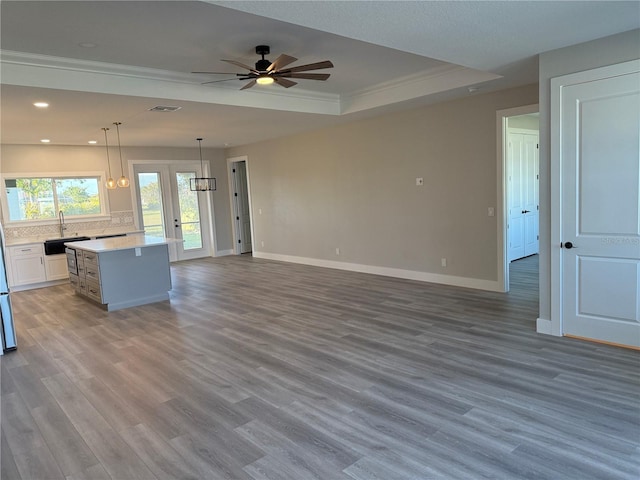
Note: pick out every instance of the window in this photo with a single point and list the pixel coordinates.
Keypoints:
(31, 199)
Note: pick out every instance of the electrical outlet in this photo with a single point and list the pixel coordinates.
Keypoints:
(491, 212)
(260, 211)
(262, 244)
(337, 251)
(443, 261)
(419, 181)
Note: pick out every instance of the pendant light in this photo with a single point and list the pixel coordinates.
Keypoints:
(122, 181)
(111, 183)
(202, 184)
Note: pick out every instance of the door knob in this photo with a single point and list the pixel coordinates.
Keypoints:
(526, 211)
(567, 245)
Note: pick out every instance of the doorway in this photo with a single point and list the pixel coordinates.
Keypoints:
(166, 207)
(522, 187)
(518, 187)
(240, 205)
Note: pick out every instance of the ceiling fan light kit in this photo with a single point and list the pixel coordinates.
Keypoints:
(266, 72)
(264, 80)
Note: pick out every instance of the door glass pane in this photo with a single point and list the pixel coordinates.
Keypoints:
(189, 212)
(151, 203)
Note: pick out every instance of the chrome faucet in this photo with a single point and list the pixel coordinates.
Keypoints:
(63, 227)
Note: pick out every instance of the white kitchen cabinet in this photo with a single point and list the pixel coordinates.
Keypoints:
(56, 267)
(27, 264)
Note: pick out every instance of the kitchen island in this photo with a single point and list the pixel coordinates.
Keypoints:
(120, 272)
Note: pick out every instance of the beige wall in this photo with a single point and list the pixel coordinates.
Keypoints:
(353, 187)
(61, 159)
(598, 53)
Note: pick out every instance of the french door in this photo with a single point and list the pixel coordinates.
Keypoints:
(168, 208)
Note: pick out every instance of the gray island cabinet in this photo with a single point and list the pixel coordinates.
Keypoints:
(120, 272)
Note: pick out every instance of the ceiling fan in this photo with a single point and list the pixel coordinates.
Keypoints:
(266, 72)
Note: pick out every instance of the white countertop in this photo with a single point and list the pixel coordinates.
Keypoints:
(121, 243)
(15, 241)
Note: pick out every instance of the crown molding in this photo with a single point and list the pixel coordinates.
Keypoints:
(63, 63)
(44, 71)
(21, 68)
(439, 79)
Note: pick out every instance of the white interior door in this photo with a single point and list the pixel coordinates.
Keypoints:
(522, 195)
(531, 194)
(515, 204)
(599, 148)
(168, 208)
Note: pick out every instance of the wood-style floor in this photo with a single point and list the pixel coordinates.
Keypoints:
(265, 370)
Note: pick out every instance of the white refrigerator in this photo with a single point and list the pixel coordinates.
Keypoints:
(8, 330)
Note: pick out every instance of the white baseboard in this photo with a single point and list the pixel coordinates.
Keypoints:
(545, 327)
(223, 253)
(387, 271)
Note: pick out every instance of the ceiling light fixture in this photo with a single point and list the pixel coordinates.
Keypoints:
(111, 183)
(92, 142)
(123, 181)
(264, 80)
(41, 104)
(45, 140)
(202, 184)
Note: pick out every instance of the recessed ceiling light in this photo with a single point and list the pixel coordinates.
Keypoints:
(45, 140)
(41, 104)
(93, 142)
(87, 45)
(164, 108)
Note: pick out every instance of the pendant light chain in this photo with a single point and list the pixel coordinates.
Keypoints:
(123, 181)
(111, 184)
(202, 184)
(201, 164)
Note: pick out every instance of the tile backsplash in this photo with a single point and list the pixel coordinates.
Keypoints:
(119, 220)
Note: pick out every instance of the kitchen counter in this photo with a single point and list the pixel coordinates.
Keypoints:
(120, 243)
(120, 272)
(16, 241)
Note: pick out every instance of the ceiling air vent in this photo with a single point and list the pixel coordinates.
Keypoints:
(164, 108)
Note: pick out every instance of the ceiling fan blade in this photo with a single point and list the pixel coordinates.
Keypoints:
(282, 61)
(283, 82)
(249, 85)
(308, 76)
(218, 81)
(238, 64)
(222, 73)
(310, 66)
(229, 79)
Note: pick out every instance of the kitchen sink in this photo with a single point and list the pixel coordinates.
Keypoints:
(56, 246)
